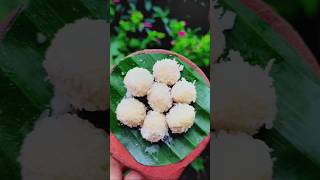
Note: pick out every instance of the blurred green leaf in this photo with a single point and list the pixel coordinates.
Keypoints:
(176, 26)
(159, 13)
(134, 43)
(136, 17)
(153, 35)
(115, 51)
(198, 164)
(290, 10)
(6, 6)
(126, 25)
(310, 6)
(196, 48)
(112, 11)
(148, 5)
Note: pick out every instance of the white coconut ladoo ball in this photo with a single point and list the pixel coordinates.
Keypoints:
(65, 148)
(240, 157)
(154, 127)
(131, 112)
(76, 64)
(245, 99)
(180, 118)
(138, 81)
(167, 71)
(159, 97)
(184, 92)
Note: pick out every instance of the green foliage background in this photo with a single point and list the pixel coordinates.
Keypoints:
(134, 30)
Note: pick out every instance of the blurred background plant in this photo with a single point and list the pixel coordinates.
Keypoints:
(302, 14)
(137, 27)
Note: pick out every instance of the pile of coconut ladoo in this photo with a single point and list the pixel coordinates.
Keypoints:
(62, 144)
(168, 97)
(244, 102)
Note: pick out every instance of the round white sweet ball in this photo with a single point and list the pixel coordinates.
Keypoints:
(131, 112)
(244, 96)
(167, 71)
(76, 64)
(244, 157)
(154, 126)
(64, 147)
(180, 118)
(138, 81)
(159, 97)
(184, 92)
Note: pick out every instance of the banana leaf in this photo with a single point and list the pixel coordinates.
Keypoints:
(25, 92)
(179, 146)
(295, 135)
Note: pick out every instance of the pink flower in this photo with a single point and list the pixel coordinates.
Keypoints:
(147, 25)
(116, 1)
(181, 33)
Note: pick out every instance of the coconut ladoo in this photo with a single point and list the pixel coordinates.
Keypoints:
(167, 71)
(131, 112)
(64, 147)
(154, 127)
(184, 92)
(75, 67)
(159, 97)
(138, 81)
(240, 157)
(180, 118)
(244, 98)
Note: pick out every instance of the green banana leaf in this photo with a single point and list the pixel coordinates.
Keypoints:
(295, 135)
(25, 92)
(161, 153)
